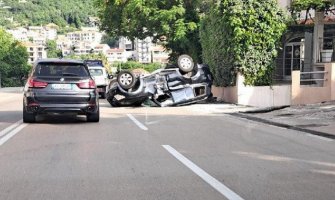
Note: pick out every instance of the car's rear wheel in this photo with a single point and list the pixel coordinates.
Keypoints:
(126, 79)
(103, 95)
(185, 63)
(93, 117)
(28, 117)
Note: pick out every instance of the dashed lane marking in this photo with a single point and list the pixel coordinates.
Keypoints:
(138, 123)
(224, 190)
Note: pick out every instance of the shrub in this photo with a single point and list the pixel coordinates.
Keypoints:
(239, 35)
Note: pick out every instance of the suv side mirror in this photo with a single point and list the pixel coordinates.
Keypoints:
(110, 76)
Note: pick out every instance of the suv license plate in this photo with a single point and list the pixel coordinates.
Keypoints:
(61, 86)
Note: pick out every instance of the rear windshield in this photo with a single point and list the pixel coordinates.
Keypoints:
(60, 69)
(96, 72)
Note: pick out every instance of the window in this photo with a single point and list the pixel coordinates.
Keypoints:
(60, 69)
(96, 72)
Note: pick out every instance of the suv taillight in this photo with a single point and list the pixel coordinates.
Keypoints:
(87, 84)
(36, 84)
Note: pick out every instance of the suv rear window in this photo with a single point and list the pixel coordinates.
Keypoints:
(96, 72)
(60, 69)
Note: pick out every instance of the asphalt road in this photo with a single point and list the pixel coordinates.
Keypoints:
(159, 153)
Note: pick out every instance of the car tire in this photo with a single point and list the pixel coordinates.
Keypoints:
(28, 117)
(103, 95)
(93, 117)
(185, 63)
(126, 79)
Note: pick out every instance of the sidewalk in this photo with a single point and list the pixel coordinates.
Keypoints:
(11, 90)
(317, 119)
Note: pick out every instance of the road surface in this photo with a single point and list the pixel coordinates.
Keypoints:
(159, 153)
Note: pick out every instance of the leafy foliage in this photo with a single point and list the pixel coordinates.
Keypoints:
(319, 5)
(13, 60)
(308, 5)
(61, 12)
(110, 40)
(52, 51)
(173, 22)
(242, 36)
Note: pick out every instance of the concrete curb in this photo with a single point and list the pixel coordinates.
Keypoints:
(313, 132)
(265, 110)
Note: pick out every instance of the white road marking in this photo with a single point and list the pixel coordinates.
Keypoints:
(224, 190)
(6, 130)
(12, 134)
(139, 124)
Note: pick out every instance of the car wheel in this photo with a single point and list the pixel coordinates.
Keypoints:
(126, 79)
(28, 117)
(185, 63)
(93, 117)
(103, 95)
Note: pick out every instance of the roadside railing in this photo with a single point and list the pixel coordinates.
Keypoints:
(314, 78)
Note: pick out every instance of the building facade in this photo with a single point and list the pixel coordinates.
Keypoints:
(35, 52)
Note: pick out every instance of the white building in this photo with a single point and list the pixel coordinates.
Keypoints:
(35, 52)
(101, 48)
(125, 43)
(20, 34)
(39, 40)
(117, 55)
(64, 44)
(83, 48)
(85, 36)
(142, 50)
(37, 34)
(159, 54)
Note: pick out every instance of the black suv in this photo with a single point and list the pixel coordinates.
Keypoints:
(60, 86)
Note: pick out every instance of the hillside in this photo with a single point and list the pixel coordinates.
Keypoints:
(74, 13)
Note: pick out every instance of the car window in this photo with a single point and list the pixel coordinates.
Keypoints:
(60, 69)
(96, 72)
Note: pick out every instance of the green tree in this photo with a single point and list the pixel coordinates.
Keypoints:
(110, 40)
(13, 60)
(173, 22)
(61, 12)
(242, 36)
(52, 51)
(311, 5)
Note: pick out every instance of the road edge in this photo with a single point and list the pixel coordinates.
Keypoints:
(291, 127)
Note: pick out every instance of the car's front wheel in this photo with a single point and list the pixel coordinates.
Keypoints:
(93, 117)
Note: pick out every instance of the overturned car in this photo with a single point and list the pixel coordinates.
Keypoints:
(171, 86)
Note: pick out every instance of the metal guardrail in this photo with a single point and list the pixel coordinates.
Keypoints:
(310, 78)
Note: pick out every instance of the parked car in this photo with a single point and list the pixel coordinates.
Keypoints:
(60, 86)
(174, 85)
(99, 74)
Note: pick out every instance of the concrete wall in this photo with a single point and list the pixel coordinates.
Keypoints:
(261, 96)
(227, 94)
(308, 95)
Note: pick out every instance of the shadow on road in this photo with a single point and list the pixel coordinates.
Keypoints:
(60, 119)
